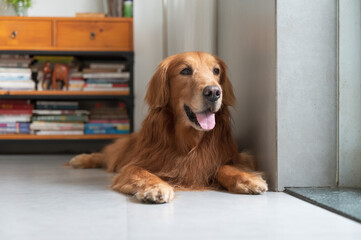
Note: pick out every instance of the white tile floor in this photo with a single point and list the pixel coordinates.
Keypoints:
(41, 199)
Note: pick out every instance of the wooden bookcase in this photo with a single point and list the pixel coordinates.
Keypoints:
(110, 38)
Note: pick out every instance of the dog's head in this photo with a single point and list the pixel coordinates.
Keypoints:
(194, 85)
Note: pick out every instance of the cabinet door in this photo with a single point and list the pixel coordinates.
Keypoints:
(21, 34)
(94, 35)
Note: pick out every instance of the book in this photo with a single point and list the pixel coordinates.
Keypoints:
(116, 126)
(103, 70)
(39, 125)
(14, 77)
(107, 65)
(108, 113)
(15, 111)
(14, 124)
(72, 132)
(14, 130)
(107, 75)
(108, 80)
(60, 112)
(61, 118)
(27, 84)
(62, 103)
(105, 131)
(106, 85)
(14, 127)
(5, 71)
(15, 118)
(124, 121)
(57, 105)
(104, 89)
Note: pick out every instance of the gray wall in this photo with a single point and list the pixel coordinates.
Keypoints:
(350, 93)
(247, 43)
(306, 92)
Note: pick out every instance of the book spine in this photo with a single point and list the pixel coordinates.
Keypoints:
(16, 111)
(15, 118)
(65, 118)
(56, 107)
(117, 126)
(106, 131)
(59, 133)
(124, 121)
(15, 106)
(107, 75)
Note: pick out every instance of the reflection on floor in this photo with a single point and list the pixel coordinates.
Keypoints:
(42, 199)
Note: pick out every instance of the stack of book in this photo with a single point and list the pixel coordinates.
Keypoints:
(14, 61)
(15, 116)
(16, 79)
(108, 120)
(76, 81)
(106, 77)
(58, 118)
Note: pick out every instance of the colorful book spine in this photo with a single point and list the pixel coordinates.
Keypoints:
(106, 131)
(59, 112)
(61, 118)
(116, 126)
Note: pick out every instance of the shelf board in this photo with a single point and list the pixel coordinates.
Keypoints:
(64, 93)
(61, 137)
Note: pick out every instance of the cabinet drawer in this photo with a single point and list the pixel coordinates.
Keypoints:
(34, 33)
(94, 35)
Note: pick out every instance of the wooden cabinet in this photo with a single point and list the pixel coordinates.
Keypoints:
(93, 35)
(17, 33)
(66, 34)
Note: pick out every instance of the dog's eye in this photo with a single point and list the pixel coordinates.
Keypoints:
(186, 71)
(216, 71)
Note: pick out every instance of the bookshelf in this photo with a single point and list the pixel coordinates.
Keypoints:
(118, 48)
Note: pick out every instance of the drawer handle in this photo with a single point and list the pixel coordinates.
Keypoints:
(13, 34)
(92, 35)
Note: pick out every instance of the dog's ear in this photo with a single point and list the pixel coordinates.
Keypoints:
(157, 95)
(227, 89)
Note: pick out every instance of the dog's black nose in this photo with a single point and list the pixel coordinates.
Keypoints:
(212, 93)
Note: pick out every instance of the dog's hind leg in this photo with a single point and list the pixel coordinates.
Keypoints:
(93, 160)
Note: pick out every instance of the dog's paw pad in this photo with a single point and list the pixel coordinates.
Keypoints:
(159, 193)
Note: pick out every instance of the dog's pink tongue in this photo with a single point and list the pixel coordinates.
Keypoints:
(206, 120)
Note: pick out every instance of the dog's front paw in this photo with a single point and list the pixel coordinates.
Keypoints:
(254, 184)
(78, 161)
(158, 193)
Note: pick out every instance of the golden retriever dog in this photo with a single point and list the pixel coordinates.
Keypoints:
(185, 142)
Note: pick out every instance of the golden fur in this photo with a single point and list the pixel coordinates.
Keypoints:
(170, 151)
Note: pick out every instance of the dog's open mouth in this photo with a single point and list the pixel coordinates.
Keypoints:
(205, 120)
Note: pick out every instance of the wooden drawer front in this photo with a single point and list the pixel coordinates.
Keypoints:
(94, 35)
(25, 33)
